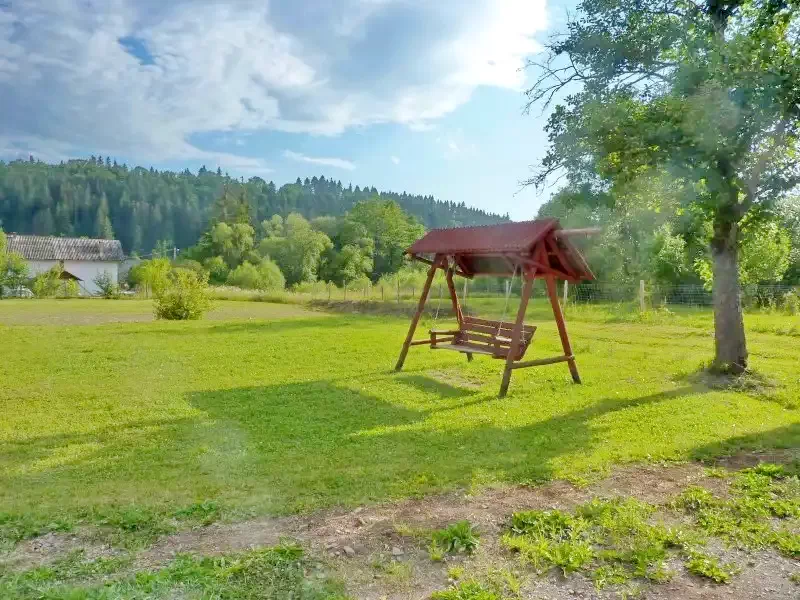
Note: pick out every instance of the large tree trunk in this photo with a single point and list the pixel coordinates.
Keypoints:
(731, 347)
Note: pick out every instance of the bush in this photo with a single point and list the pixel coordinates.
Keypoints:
(107, 286)
(150, 276)
(192, 265)
(217, 269)
(791, 302)
(184, 298)
(71, 288)
(266, 276)
(46, 285)
(244, 276)
(271, 277)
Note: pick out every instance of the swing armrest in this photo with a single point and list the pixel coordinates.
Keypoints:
(444, 331)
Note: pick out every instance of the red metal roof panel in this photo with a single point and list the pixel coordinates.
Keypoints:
(503, 237)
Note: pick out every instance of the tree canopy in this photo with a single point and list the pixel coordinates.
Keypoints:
(690, 105)
(98, 197)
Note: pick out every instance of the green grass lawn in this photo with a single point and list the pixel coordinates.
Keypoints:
(267, 408)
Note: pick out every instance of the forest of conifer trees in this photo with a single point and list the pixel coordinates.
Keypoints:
(97, 197)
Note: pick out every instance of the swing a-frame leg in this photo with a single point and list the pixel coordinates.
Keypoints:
(451, 287)
(418, 313)
(568, 357)
(516, 334)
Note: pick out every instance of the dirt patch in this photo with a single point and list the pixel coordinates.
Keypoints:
(381, 551)
(751, 459)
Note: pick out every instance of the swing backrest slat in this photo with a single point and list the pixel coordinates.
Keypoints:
(494, 336)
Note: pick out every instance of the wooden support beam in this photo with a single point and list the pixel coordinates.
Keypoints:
(418, 313)
(516, 334)
(542, 361)
(553, 245)
(576, 232)
(562, 328)
(422, 259)
(451, 287)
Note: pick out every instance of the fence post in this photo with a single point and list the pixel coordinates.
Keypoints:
(566, 295)
(642, 306)
(345, 291)
(383, 294)
(329, 291)
(398, 290)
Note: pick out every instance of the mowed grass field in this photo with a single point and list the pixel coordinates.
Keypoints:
(271, 409)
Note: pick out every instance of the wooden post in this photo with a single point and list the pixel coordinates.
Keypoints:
(383, 294)
(417, 314)
(466, 281)
(642, 305)
(566, 295)
(451, 287)
(562, 328)
(345, 292)
(516, 334)
(398, 290)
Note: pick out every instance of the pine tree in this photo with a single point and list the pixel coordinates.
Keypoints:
(102, 222)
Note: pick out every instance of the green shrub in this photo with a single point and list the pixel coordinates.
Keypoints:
(47, 284)
(265, 277)
(71, 288)
(271, 277)
(107, 286)
(150, 276)
(217, 270)
(185, 297)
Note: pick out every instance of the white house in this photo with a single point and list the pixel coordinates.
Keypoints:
(82, 259)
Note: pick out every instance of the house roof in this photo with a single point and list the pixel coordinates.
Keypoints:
(487, 239)
(41, 247)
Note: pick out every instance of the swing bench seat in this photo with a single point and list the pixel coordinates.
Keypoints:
(482, 336)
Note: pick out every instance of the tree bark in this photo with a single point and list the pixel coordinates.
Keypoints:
(730, 344)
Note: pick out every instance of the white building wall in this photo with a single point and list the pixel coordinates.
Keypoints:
(85, 270)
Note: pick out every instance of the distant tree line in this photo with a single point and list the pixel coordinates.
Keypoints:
(98, 197)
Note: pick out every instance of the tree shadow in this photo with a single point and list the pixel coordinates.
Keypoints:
(435, 387)
(302, 445)
(781, 438)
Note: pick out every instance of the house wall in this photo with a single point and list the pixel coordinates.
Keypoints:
(85, 270)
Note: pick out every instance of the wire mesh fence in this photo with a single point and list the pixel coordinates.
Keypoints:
(498, 298)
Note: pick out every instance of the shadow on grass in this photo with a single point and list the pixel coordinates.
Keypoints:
(782, 438)
(299, 446)
(435, 387)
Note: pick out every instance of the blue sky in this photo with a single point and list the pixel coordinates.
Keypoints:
(408, 95)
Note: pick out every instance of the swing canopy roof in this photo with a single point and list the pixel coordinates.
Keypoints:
(536, 248)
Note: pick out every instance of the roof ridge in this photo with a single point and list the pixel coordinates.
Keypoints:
(493, 224)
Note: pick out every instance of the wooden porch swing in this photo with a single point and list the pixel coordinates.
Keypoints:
(534, 250)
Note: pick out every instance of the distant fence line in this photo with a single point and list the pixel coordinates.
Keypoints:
(483, 290)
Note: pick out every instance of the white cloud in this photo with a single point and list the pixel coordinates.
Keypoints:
(67, 83)
(395, 160)
(338, 163)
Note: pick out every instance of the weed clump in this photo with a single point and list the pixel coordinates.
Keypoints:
(458, 538)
